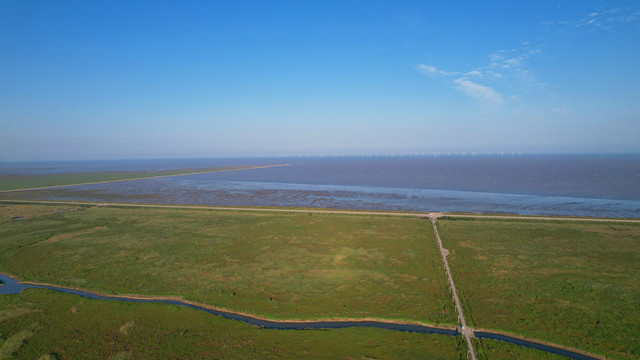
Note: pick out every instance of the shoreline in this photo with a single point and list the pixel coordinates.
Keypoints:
(207, 171)
(437, 215)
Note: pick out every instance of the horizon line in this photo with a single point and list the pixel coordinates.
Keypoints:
(470, 154)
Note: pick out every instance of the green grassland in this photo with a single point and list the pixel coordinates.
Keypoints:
(14, 182)
(487, 349)
(42, 324)
(278, 265)
(571, 283)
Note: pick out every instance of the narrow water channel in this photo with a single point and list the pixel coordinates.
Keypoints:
(529, 344)
(13, 286)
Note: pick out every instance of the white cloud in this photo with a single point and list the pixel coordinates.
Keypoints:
(507, 59)
(507, 66)
(474, 73)
(513, 62)
(432, 70)
(605, 19)
(493, 70)
(499, 61)
(477, 91)
(427, 69)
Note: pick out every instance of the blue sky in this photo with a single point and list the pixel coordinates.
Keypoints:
(138, 79)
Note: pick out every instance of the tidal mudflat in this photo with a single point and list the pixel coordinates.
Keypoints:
(565, 185)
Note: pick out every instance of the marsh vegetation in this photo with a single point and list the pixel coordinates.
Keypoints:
(49, 325)
(283, 265)
(571, 283)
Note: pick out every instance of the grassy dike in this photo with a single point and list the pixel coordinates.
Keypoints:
(571, 283)
(276, 265)
(16, 182)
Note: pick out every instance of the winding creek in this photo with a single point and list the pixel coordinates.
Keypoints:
(530, 344)
(13, 286)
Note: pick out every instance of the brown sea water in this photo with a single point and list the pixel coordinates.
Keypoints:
(576, 185)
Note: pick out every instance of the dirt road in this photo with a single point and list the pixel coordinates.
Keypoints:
(466, 331)
(145, 178)
(315, 211)
(537, 218)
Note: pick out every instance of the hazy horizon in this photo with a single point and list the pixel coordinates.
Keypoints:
(145, 80)
(337, 156)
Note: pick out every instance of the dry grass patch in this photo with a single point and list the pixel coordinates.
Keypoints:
(13, 344)
(25, 211)
(126, 328)
(14, 312)
(70, 235)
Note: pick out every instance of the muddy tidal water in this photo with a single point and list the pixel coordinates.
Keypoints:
(577, 185)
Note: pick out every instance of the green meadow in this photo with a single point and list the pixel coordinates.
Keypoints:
(572, 283)
(15, 182)
(277, 265)
(487, 349)
(43, 324)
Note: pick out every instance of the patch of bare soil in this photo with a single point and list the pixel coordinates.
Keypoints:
(58, 237)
